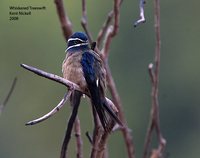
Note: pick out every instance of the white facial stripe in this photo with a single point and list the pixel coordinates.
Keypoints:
(77, 45)
(74, 39)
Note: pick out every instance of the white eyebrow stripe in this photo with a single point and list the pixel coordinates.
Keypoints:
(74, 39)
(77, 45)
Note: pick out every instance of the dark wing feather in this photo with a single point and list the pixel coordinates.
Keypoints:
(94, 74)
(91, 74)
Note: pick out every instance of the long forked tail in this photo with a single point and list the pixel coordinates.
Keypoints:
(104, 111)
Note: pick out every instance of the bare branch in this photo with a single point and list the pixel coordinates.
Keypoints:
(64, 20)
(110, 31)
(79, 142)
(107, 42)
(151, 73)
(116, 9)
(104, 28)
(148, 137)
(58, 79)
(71, 86)
(154, 75)
(84, 21)
(102, 143)
(142, 17)
(117, 102)
(52, 77)
(52, 112)
(2, 106)
(97, 132)
(89, 137)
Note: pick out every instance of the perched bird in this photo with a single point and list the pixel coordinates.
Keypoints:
(84, 67)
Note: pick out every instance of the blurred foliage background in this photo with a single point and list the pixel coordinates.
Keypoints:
(37, 40)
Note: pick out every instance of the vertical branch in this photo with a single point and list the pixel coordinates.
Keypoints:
(104, 28)
(162, 141)
(79, 142)
(96, 134)
(154, 75)
(2, 106)
(64, 20)
(102, 143)
(117, 101)
(112, 31)
(84, 21)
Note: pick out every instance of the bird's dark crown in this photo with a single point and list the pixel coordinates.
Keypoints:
(77, 41)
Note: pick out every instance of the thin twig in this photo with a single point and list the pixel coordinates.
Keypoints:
(64, 20)
(104, 28)
(52, 112)
(2, 106)
(61, 80)
(79, 142)
(154, 75)
(102, 143)
(117, 102)
(89, 137)
(116, 9)
(84, 21)
(105, 154)
(10, 91)
(97, 132)
(52, 77)
(142, 17)
(151, 73)
(112, 31)
(162, 141)
(107, 42)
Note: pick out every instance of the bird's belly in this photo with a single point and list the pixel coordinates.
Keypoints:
(73, 72)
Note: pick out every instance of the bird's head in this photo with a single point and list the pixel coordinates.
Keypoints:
(77, 41)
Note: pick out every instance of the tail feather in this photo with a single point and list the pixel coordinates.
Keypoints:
(97, 103)
(111, 113)
(103, 110)
(102, 115)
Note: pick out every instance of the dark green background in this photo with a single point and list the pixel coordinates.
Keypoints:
(37, 40)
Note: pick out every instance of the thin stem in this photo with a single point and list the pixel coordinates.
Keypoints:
(84, 21)
(117, 102)
(89, 137)
(61, 80)
(102, 142)
(10, 91)
(2, 106)
(52, 112)
(52, 77)
(79, 142)
(154, 75)
(111, 31)
(151, 73)
(104, 28)
(64, 20)
(96, 134)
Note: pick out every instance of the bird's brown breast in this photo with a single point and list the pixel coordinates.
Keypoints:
(72, 70)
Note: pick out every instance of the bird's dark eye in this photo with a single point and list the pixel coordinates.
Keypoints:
(77, 42)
